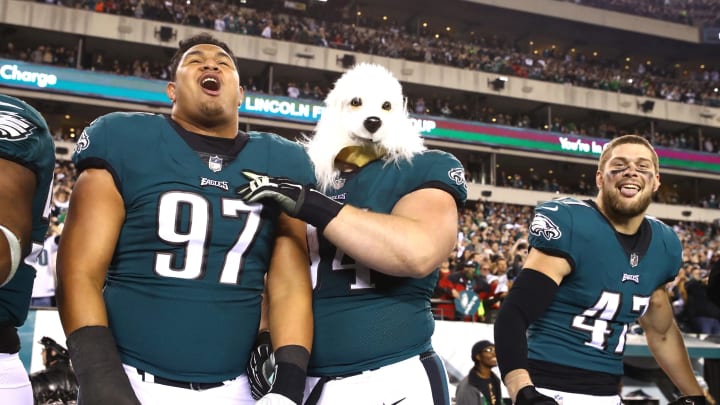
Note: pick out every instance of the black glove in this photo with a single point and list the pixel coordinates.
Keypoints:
(261, 367)
(689, 400)
(299, 201)
(528, 395)
(98, 368)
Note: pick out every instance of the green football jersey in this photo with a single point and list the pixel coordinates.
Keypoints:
(26, 140)
(365, 319)
(184, 286)
(609, 286)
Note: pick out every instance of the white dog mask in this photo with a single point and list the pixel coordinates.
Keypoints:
(365, 118)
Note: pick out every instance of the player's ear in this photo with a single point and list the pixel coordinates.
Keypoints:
(241, 95)
(657, 183)
(170, 91)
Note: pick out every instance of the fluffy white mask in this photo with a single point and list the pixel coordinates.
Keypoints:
(365, 111)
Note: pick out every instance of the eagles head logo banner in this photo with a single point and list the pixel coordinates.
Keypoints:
(14, 127)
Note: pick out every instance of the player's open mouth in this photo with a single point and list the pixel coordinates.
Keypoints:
(210, 84)
(629, 190)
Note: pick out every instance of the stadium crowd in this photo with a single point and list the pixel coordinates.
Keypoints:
(459, 107)
(690, 12)
(445, 107)
(486, 52)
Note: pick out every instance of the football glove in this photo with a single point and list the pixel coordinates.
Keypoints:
(261, 366)
(528, 395)
(299, 201)
(689, 400)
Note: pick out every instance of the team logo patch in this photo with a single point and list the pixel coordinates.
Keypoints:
(15, 127)
(458, 176)
(215, 163)
(545, 227)
(634, 260)
(635, 278)
(204, 181)
(82, 143)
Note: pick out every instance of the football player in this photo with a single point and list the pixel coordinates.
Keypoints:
(594, 268)
(27, 162)
(386, 220)
(161, 266)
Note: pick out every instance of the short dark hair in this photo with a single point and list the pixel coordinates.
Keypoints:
(199, 39)
(479, 347)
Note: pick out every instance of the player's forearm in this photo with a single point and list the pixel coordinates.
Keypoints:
(391, 244)
(80, 303)
(291, 321)
(288, 289)
(671, 355)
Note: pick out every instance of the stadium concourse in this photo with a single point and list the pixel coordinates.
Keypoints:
(499, 96)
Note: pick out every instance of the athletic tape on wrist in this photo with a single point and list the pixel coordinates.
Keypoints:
(15, 252)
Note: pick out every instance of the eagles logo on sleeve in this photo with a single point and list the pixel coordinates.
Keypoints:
(545, 227)
(82, 143)
(13, 126)
(458, 176)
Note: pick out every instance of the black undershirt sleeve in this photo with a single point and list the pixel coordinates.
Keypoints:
(527, 301)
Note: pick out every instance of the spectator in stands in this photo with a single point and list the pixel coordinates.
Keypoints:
(43, 293)
(481, 386)
(467, 285)
(713, 289)
(702, 313)
(517, 255)
(443, 294)
(499, 287)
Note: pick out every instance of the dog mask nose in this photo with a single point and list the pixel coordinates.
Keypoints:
(372, 124)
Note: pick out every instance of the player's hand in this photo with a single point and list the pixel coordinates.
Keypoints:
(528, 395)
(261, 366)
(689, 400)
(299, 201)
(280, 189)
(274, 399)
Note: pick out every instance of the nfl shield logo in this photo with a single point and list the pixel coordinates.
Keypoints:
(215, 163)
(634, 259)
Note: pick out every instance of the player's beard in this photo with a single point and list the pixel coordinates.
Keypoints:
(620, 207)
(212, 113)
(211, 109)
